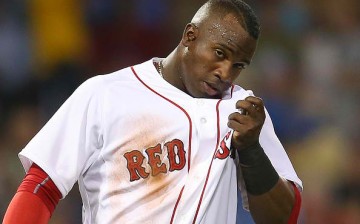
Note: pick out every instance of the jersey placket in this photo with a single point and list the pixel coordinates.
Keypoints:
(204, 118)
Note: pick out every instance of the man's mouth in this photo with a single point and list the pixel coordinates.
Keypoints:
(210, 89)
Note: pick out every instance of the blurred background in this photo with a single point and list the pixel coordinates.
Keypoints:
(306, 69)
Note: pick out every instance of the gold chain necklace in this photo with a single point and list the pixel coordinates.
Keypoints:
(160, 68)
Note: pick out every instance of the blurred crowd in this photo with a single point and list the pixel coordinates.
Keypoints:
(306, 68)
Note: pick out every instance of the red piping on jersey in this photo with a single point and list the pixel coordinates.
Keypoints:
(208, 174)
(178, 106)
(296, 209)
(176, 204)
(190, 135)
(217, 145)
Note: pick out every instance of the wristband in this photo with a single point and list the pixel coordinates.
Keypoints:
(259, 174)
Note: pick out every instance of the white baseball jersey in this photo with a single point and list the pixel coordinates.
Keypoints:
(143, 151)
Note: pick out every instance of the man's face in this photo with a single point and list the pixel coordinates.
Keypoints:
(215, 54)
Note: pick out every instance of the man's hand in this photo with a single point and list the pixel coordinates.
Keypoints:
(271, 198)
(247, 123)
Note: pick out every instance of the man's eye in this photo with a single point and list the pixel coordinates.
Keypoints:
(240, 66)
(219, 53)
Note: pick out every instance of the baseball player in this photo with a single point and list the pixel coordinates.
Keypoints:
(168, 140)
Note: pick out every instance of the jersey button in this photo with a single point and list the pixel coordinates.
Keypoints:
(200, 102)
(203, 120)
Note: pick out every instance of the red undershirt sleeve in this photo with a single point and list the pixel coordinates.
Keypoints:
(296, 209)
(35, 199)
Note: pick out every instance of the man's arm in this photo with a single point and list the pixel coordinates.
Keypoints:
(271, 198)
(26, 207)
(281, 204)
(275, 206)
(35, 199)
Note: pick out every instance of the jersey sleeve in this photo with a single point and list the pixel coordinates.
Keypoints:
(70, 141)
(276, 152)
(277, 155)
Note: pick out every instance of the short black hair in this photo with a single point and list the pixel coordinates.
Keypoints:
(246, 14)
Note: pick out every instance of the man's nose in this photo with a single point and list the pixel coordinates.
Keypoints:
(226, 71)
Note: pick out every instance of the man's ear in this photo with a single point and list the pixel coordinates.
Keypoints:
(190, 34)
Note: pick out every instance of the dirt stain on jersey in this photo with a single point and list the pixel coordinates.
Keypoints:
(146, 132)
